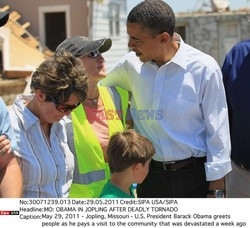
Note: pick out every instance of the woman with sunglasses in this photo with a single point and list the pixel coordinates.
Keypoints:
(94, 122)
(58, 86)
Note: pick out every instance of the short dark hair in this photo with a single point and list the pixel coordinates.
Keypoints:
(59, 76)
(155, 15)
(128, 148)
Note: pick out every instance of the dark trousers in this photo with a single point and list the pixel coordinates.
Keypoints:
(188, 182)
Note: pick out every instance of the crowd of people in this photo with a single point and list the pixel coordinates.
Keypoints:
(78, 133)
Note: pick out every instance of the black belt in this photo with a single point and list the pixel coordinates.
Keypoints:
(177, 165)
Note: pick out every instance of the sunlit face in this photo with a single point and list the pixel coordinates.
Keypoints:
(51, 111)
(145, 46)
(94, 67)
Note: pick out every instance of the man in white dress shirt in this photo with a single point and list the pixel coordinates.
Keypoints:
(178, 102)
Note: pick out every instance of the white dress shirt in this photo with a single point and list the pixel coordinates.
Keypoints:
(180, 106)
(47, 168)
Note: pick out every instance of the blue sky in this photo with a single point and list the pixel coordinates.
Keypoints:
(190, 5)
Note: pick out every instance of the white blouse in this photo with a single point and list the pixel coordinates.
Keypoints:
(47, 169)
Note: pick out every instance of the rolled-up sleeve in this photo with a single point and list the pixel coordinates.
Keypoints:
(215, 112)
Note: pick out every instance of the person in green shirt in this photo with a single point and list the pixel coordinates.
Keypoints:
(129, 154)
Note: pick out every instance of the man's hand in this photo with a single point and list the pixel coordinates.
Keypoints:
(5, 146)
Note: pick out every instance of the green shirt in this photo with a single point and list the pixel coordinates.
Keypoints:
(111, 191)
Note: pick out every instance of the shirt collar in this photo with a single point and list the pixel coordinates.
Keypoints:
(24, 114)
(180, 55)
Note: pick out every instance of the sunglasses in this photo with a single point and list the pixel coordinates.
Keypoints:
(61, 107)
(94, 54)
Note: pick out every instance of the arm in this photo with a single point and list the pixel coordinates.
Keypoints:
(116, 77)
(10, 173)
(218, 137)
(10, 177)
(217, 184)
(119, 76)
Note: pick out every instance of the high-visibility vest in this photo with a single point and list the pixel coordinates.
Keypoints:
(91, 170)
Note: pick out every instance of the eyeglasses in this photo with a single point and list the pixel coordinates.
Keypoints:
(61, 107)
(94, 54)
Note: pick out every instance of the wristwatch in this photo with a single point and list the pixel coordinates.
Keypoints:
(216, 193)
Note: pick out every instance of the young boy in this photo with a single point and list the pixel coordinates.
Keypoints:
(129, 155)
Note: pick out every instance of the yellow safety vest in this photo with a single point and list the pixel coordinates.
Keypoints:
(91, 171)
